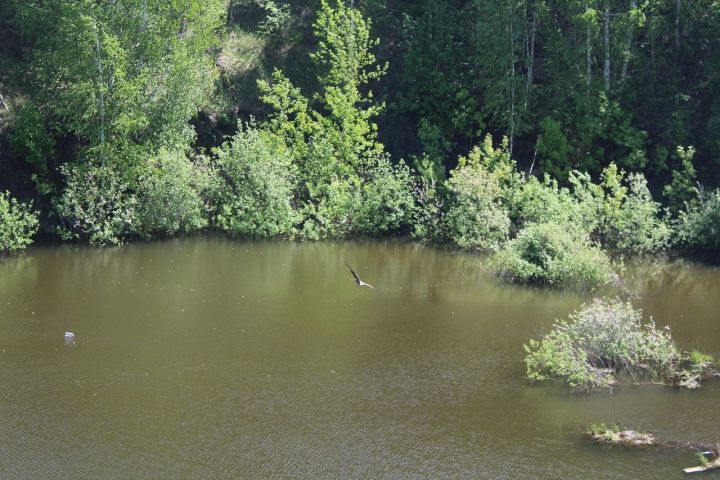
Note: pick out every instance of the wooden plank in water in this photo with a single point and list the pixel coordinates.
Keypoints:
(704, 468)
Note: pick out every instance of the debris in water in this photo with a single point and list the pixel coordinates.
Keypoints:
(615, 435)
(710, 461)
(69, 338)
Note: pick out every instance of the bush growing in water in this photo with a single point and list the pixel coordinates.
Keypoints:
(635, 227)
(429, 211)
(256, 191)
(598, 342)
(97, 205)
(619, 212)
(555, 254)
(169, 201)
(486, 194)
(388, 202)
(332, 211)
(698, 227)
(538, 201)
(476, 217)
(18, 224)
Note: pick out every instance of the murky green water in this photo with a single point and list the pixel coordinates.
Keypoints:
(216, 359)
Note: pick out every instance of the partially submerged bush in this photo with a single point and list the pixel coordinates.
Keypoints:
(615, 435)
(96, 205)
(541, 202)
(255, 196)
(428, 213)
(18, 224)
(333, 212)
(476, 217)
(619, 212)
(698, 227)
(600, 341)
(554, 254)
(169, 201)
(388, 202)
(636, 227)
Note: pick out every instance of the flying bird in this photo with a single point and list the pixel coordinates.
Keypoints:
(359, 282)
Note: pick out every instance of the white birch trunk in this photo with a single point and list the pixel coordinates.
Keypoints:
(628, 45)
(101, 95)
(588, 52)
(606, 33)
(531, 61)
(2, 99)
(512, 77)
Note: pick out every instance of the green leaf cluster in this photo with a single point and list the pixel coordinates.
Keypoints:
(599, 341)
(256, 182)
(18, 224)
(555, 254)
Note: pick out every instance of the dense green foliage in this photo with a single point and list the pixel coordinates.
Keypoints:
(554, 254)
(699, 227)
(388, 203)
(169, 196)
(119, 75)
(18, 224)
(598, 342)
(620, 212)
(96, 205)
(476, 217)
(254, 197)
(133, 119)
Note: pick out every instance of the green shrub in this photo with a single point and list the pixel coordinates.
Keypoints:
(387, 204)
(275, 24)
(169, 201)
(555, 254)
(635, 226)
(699, 359)
(333, 211)
(599, 341)
(619, 212)
(698, 228)
(18, 224)
(681, 193)
(29, 140)
(604, 432)
(476, 217)
(429, 212)
(255, 197)
(96, 205)
(553, 148)
(540, 202)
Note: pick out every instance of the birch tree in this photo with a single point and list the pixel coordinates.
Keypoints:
(122, 76)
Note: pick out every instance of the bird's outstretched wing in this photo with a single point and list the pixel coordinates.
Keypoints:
(357, 279)
(359, 282)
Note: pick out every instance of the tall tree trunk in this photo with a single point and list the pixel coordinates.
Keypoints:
(512, 76)
(606, 33)
(588, 51)
(678, 5)
(652, 40)
(526, 46)
(101, 94)
(143, 29)
(531, 59)
(2, 100)
(628, 45)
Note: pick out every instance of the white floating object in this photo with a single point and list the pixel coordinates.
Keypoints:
(69, 337)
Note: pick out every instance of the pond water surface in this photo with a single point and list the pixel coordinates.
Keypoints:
(210, 358)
